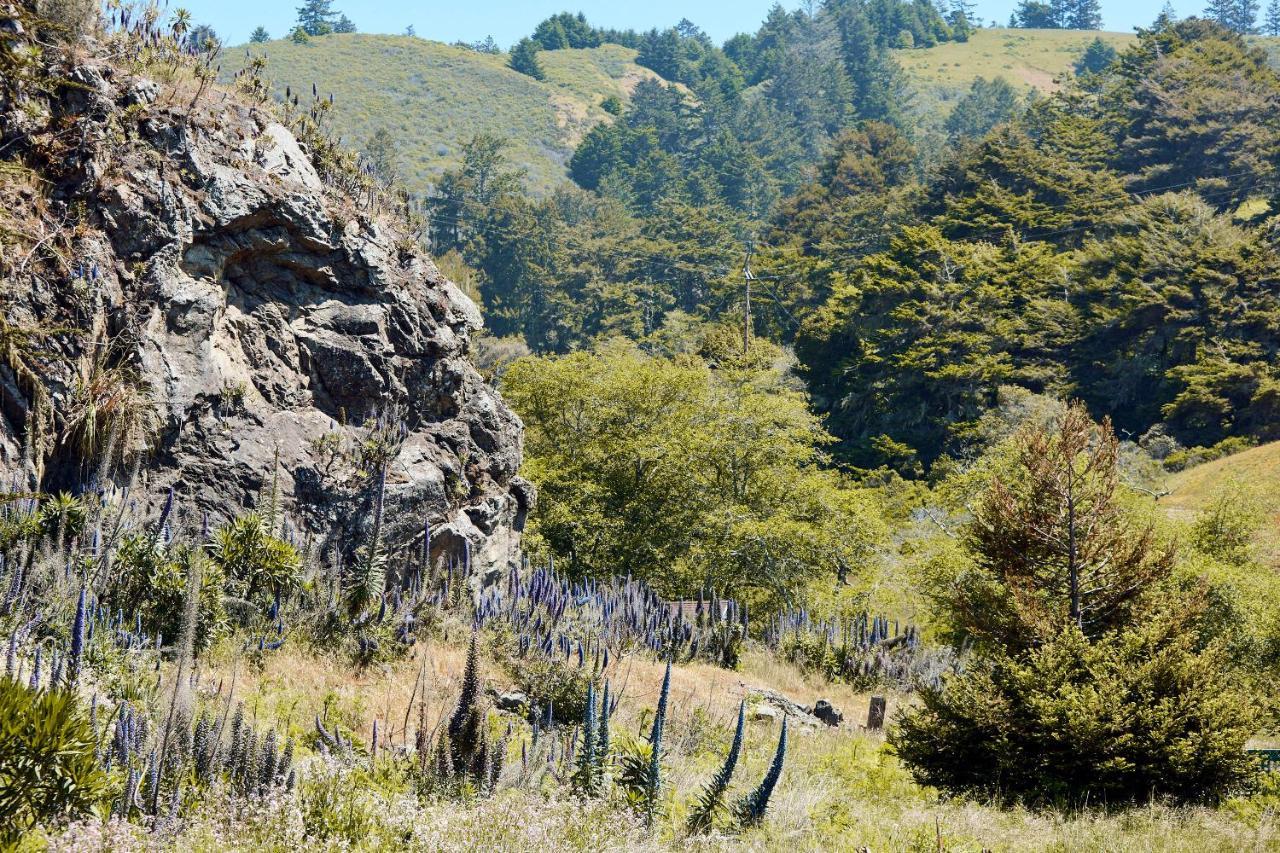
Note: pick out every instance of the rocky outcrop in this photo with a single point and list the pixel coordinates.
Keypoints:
(265, 314)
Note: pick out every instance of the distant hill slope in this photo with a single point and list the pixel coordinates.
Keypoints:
(1191, 490)
(1029, 59)
(433, 97)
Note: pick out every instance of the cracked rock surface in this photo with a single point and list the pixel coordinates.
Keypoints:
(265, 313)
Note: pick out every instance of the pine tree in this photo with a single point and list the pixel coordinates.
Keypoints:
(1083, 15)
(260, 35)
(315, 17)
(1271, 26)
(524, 58)
(344, 25)
(1237, 15)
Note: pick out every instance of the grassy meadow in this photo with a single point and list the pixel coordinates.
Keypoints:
(433, 97)
(842, 789)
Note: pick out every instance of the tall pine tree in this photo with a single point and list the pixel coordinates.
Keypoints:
(1083, 15)
(1271, 25)
(315, 17)
(1238, 15)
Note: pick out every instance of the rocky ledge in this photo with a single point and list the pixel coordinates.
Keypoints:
(263, 313)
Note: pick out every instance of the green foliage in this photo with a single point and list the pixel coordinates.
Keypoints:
(987, 104)
(588, 774)
(48, 766)
(1098, 674)
(524, 58)
(1179, 322)
(150, 577)
(255, 564)
(683, 476)
(1139, 713)
(1225, 528)
(1097, 57)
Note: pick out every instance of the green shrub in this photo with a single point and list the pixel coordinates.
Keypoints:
(48, 768)
(1138, 714)
(552, 682)
(151, 578)
(255, 563)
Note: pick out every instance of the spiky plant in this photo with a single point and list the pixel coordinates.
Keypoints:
(602, 742)
(711, 802)
(465, 736)
(586, 777)
(653, 778)
(368, 576)
(76, 654)
(750, 809)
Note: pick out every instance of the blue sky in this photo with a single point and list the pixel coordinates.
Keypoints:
(508, 20)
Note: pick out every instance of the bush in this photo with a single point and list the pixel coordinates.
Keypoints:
(151, 580)
(254, 561)
(1138, 714)
(47, 764)
(547, 682)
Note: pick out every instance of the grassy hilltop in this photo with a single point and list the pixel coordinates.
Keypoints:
(433, 97)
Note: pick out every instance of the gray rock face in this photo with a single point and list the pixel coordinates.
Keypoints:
(267, 313)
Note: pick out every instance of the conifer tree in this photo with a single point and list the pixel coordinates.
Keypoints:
(260, 35)
(1083, 15)
(315, 17)
(524, 58)
(1271, 25)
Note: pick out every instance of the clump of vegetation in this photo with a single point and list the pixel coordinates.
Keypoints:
(48, 768)
(1098, 674)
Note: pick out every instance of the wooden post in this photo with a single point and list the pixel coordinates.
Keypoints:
(875, 714)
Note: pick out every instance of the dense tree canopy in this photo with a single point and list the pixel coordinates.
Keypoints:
(694, 472)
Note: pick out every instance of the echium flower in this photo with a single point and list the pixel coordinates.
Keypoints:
(750, 809)
(78, 635)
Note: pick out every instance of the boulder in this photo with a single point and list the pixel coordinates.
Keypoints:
(826, 712)
(513, 701)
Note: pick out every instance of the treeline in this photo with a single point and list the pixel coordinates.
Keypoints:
(1114, 242)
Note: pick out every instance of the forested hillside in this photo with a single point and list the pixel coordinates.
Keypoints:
(1111, 241)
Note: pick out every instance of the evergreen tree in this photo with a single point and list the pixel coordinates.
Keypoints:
(987, 104)
(524, 58)
(381, 154)
(315, 17)
(1238, 15)
(1097, 672)
(1271, 26)
(1036, 15)
(1083, 15)
(1096, 57)
(344, 25)
(260, 35)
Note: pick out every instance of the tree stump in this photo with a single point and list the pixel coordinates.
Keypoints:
(875, 714)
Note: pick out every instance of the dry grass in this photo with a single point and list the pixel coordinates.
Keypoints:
(1258, 467)
(433, 97)
(842, 789)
